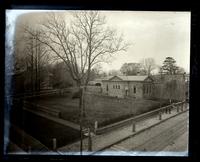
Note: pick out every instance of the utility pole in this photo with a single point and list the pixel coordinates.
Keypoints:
(81, 116)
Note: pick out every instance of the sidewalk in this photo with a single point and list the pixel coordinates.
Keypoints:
(100, 142)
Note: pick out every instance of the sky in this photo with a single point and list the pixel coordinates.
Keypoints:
(151, 34)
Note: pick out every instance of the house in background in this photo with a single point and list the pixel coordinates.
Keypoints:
(128, 86)
(163, 86)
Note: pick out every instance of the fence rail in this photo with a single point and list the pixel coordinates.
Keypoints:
(39, 93)
(167, 109)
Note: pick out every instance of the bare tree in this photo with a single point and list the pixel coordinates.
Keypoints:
(113, 72)
(148, 65)
(85, 42)
(35, 56)
(130, 68)
(96, 72)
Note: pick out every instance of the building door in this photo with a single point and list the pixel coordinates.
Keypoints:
(126, 92)
(107, 87)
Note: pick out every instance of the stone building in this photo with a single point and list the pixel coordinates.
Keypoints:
(128, 86)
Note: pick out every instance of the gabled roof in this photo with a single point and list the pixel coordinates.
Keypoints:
(107, 78)
(128, 78)
(133, 78)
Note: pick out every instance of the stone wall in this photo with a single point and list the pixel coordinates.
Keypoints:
(138, 89)
(118, 91)
(121, 92)
(94, 89)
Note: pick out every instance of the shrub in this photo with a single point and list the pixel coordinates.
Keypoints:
(76, 95)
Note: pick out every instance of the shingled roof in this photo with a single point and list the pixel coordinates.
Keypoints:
(129, 78)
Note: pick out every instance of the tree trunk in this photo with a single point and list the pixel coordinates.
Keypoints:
(82, 96)
(39, 50)
(81, 119)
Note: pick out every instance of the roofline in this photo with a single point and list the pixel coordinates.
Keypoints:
(147, 76)
(123, 81)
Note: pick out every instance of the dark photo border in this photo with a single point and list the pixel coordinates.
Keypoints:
(115, 5)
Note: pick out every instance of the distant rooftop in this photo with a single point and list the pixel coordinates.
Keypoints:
(156, 78)
(129, 78)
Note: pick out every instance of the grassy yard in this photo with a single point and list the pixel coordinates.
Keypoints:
(42, 129)
(98, 108)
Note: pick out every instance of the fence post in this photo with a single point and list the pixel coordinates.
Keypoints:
(133, 126)
(182, 106)
(166, 110)
(160, 115)
(29, 149)
(177, 108)
(89, 140)
(185, 105)
(54, 144)
(95, 126)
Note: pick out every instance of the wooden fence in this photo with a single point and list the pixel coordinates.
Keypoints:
(179, 106)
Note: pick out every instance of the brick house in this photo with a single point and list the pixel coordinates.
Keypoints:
(128, 86)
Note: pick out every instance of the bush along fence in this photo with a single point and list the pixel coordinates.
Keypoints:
(179, 106)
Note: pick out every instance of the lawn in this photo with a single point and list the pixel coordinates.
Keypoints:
(98, 108)
(43, 129)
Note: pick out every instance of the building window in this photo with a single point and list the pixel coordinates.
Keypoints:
(116, 86)
(134, 89)
(147, 89)
(107, 87)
